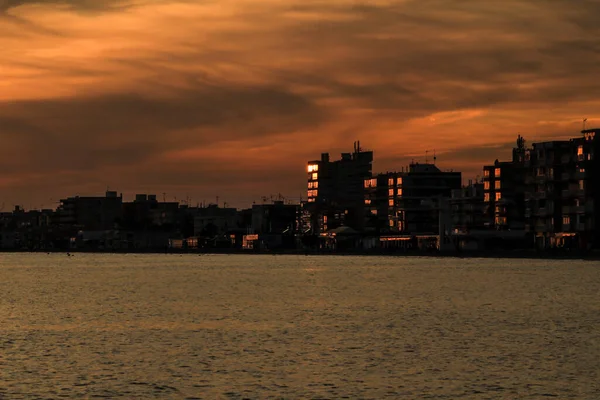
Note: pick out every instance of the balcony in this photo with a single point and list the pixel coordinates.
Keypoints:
(567, 176)
(567, 159)
(573, 193)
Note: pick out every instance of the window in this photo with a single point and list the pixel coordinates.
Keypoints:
(324, 219)
(371, 183)
(486, 185)
(313, 168)
(367, 201)
(486, 172)
(497, 173)
(313, 193)
(399, 192)
(399, 181)
(314, 176)
(498, 196)
(486, 197)
(497, 185)
(391, 203)
(581, 184)
(391, 223)
(391, 182)
(311, 200)
(500, 220)
(391, 192)
(580, 150)
(566, 220)
(313, 185)
(374, 212)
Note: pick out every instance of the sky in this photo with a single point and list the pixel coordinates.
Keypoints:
(230, 98)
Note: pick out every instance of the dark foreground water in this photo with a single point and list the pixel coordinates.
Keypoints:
(170, 326)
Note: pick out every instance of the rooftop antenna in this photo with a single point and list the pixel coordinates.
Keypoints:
(434, 157)
(584, 121)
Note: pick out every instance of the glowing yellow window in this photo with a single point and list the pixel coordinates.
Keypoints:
(497, 173)
(391, 202)
(391, 192)
(486, 197)
(486, 185)
(315, 176)
(497, 185)
(498, 196)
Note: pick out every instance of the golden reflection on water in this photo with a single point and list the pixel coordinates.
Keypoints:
(136, 326)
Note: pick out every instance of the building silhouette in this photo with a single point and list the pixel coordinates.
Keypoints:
(336, 191)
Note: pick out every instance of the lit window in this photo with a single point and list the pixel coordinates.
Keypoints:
(566, 220)
(370, 183)
(498, 196)
(374, 212)
(581, 184)
(580, 150)
(399, 192)
(391, 192)
(486, 197)
(313, 193)
(324, 219)
(399, 181)
(315, 176)
(391, 202)
(311, 200)
(497, 185)
(486, 185)
(391, 222)
(486, 172)
(313, 168)
(367, 201)
(497, 172)
(391, 182)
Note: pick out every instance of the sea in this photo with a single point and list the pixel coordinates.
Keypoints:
(92, 326)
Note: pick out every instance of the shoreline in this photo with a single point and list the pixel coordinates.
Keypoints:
(507, 254)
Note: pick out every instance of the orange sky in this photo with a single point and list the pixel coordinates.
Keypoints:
(230, 98)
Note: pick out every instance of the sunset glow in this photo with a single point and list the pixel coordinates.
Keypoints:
(233, 98)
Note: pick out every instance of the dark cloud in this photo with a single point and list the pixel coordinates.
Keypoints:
(79, 5)
(121, 129)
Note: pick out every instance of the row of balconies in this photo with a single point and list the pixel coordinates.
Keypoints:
(582, 209)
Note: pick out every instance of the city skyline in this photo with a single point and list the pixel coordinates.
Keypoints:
(231, 99)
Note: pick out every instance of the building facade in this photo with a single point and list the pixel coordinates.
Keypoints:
(336, 190)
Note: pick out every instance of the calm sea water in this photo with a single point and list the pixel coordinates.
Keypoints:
(186, 327)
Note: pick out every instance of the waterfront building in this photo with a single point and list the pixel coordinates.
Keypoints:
(504, 191)
(93, 213)
(336, 190)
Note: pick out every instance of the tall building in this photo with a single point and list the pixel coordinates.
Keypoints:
(563, 192)
(336, 190)
(504, 191)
